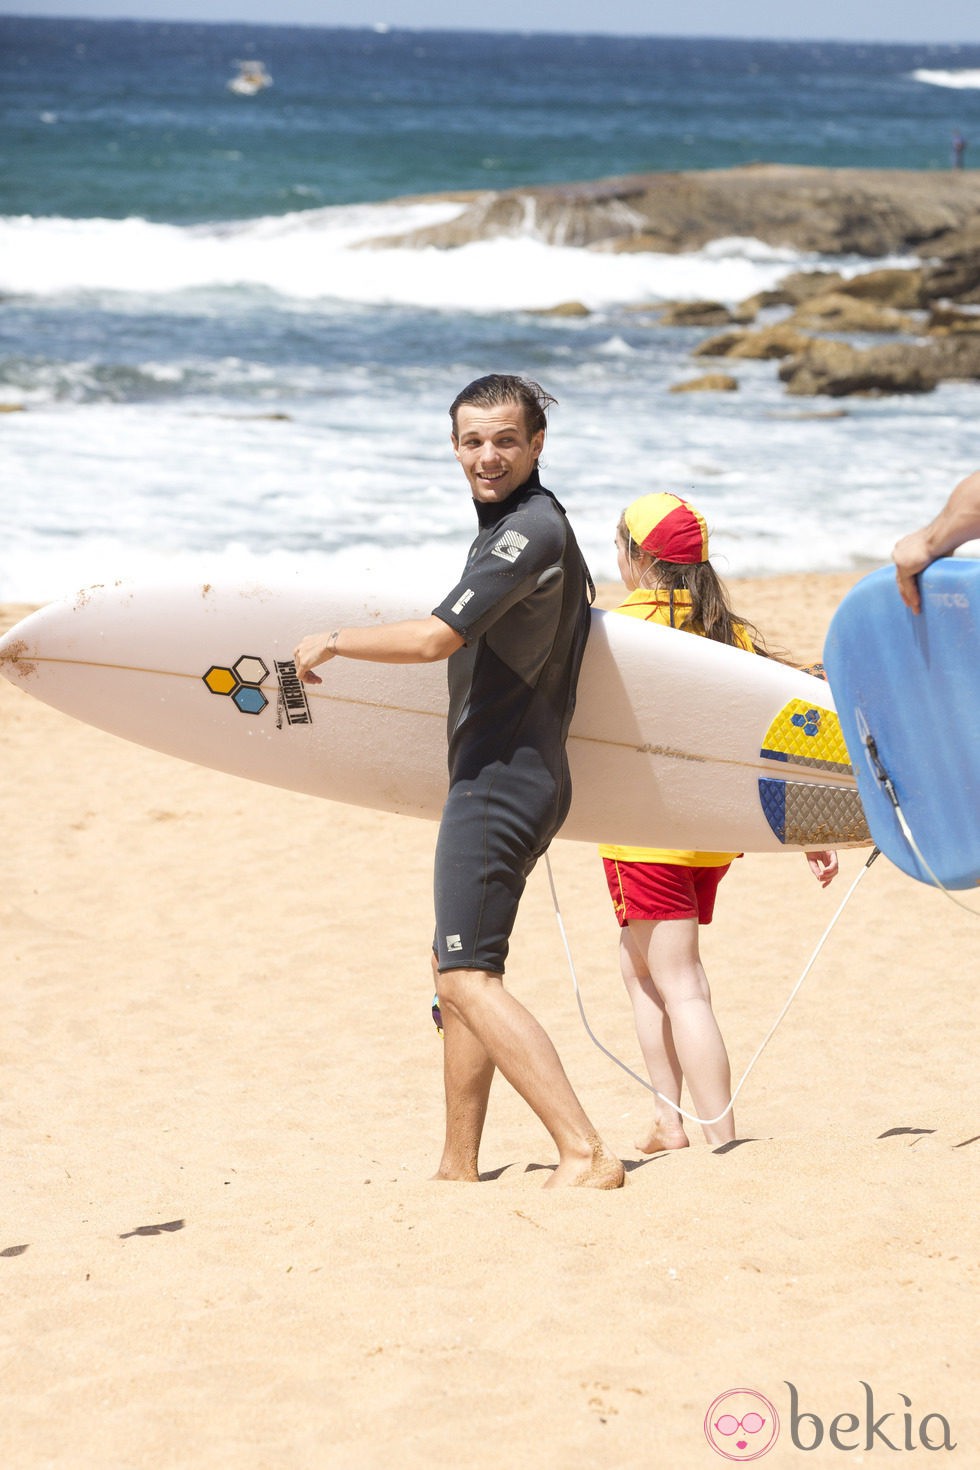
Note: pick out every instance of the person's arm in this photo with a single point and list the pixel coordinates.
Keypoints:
(415, 641)
(958, 521)
(823, 866)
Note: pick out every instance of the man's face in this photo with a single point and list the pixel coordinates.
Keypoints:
(494, 449)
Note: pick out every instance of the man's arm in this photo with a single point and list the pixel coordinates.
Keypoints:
(958, 521)
(414, 641)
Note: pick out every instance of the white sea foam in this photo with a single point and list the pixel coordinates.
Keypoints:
(314, 257)
(154, 458)
(140, 490)
(967, 78)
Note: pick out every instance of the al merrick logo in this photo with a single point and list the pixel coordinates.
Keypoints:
(743, 1425)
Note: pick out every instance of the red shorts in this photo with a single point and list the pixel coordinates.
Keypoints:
(656, 891)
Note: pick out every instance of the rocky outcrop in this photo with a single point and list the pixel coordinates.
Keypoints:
(695, 314)
(958, 243)
(862, 212)
(838, 369)
(564, 308)
(944, 321)
(798, 286)
(957, 279)
(868, 212)
(840, 312)
(709, 383)
(956, 357)
(902, 289)
(780, 340)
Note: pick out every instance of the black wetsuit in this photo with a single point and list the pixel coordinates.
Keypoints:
(522, 605)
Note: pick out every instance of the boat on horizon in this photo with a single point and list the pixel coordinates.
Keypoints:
(252, 77)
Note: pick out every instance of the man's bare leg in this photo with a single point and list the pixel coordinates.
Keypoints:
(467, 1074)
(518, 1045)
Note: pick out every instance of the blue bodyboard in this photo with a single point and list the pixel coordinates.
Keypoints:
(907, 691)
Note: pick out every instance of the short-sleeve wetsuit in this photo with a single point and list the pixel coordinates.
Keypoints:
(522, 605)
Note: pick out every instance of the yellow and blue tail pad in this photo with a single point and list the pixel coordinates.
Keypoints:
(809, 813)
(907, 688)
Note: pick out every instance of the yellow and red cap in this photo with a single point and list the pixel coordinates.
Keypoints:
(668, 528)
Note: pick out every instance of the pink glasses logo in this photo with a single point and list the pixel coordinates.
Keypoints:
(741, 1425)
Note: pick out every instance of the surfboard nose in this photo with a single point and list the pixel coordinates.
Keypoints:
(18, 658)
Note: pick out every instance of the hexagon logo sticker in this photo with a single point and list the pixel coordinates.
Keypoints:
(240, 682)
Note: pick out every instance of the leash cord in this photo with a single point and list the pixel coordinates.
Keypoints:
(888, 786)
(766, 1040)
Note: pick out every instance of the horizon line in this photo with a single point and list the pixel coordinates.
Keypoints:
(385, 28)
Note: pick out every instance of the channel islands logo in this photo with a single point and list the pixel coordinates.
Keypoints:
(741, 1425)
(242, 681)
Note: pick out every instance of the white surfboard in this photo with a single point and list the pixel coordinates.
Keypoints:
(675, 742)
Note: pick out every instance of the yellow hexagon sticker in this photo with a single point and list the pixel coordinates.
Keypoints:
(219, 680)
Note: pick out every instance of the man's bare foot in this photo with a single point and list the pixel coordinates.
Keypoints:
(661, 1136)
(598, 1170)
(457, 1175)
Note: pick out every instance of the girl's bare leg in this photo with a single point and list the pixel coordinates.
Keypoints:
(666, 1131)
(673, 962)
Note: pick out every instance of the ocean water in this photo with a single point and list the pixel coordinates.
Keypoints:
(216, 379)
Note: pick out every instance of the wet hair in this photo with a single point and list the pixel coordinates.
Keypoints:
(498, 389)
(711, 613)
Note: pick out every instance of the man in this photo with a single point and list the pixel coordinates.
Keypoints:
(514, 631)
(958, 521)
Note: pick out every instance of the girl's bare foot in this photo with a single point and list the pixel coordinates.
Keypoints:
(661, 1136)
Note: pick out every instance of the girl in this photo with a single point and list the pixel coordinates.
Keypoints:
(660, 896)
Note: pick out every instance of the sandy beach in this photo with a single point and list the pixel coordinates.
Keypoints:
(220, 1103)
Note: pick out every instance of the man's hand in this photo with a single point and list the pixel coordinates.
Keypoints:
(958, 521)
(315, 649)
(911, 556)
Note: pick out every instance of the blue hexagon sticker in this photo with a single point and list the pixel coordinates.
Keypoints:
(250, 701)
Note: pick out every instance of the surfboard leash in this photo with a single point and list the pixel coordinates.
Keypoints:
(692, 1117)
(888, 786)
